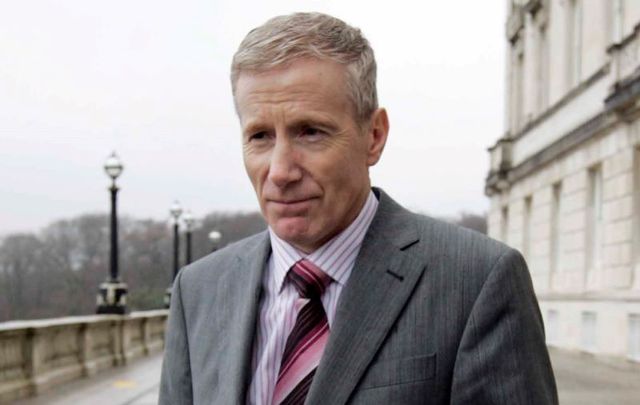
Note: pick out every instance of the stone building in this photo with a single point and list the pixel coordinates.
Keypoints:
(564, 180)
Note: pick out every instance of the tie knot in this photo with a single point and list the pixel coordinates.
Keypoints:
(309, 279)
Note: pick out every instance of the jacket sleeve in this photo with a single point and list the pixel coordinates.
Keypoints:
(175, 382)
(502, 357)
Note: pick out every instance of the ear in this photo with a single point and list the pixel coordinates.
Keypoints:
(377, 135)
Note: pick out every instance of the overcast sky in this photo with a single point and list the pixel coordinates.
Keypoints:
(149, 79)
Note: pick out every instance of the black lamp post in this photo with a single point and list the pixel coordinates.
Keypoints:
(188, 221)
(176, 211)
(112, 294)
(214, 237)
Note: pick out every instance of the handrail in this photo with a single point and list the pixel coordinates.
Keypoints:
(36, 355)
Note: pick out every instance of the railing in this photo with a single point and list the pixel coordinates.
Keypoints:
(35, 355)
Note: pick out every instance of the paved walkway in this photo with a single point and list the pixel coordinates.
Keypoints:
(582, 380)
(585, 380)
(136, 384)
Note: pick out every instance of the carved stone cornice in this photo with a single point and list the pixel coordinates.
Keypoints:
(505, 174)
(624, 97)
(497, 179)
(595, 125)
(539, 9)
(532, 6)
(625, 94)
(515, 23)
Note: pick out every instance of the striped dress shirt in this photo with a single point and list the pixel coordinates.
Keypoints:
(277, 307)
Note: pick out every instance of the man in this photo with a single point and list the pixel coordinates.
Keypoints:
(348, 297)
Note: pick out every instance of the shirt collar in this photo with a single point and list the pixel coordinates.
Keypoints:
(336, 257)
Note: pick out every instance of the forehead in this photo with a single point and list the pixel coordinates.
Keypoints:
(302, 82)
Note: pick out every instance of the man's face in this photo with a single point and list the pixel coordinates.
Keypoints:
(305, 154)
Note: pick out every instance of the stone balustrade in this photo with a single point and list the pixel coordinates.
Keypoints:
(36, 355)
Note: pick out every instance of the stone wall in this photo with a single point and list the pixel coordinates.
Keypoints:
(36, 355)
(564, 179)
(616, 153)
(566, 324)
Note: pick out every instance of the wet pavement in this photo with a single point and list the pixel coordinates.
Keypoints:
(135, 384)
(582, 380)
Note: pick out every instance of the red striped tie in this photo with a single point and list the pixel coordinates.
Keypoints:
(310, 333)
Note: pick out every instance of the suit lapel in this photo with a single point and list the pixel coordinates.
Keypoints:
(382, 280)
(247, 299)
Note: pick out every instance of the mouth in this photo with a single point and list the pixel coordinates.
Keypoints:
(292, 204)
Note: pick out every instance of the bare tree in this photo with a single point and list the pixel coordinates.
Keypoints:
(473, 221)
(57, 272)
(20, 260)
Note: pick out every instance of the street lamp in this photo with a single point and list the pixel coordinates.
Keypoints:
(214, 237)
(112, 294)
(188, 221)
(176, 211)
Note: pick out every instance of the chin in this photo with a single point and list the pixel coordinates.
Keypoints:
(291, 228)
(298, 233)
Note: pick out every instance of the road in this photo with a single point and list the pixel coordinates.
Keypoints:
(585, 380)
(136, 384)
(582, 380)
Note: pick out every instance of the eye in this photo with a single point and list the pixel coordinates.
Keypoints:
(311, 132)
(257, 136)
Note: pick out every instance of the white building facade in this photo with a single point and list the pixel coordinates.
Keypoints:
(564, 181)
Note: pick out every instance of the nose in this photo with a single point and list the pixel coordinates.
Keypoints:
(283, 167)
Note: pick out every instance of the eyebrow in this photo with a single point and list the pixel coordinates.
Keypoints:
(256, 126)
(252, 128)
(315, 121)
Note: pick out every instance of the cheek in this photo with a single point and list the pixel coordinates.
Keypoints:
(343, 173)
(252, 168)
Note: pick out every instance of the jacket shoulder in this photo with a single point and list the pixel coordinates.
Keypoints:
(221, 261)
(465, 247)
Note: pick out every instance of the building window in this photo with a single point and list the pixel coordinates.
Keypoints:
(634, 337)
(636, 206)
(589, 329)
(617, 21)
(594, 219)
(543, 69)
(574, 42)
(552, 327)
(504, 225)
(518, 88)
(526, 242)
(556, 211)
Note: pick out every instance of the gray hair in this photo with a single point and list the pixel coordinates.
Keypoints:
(283, 39)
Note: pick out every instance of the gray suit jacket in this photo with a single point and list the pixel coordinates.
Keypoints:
(432, 314)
